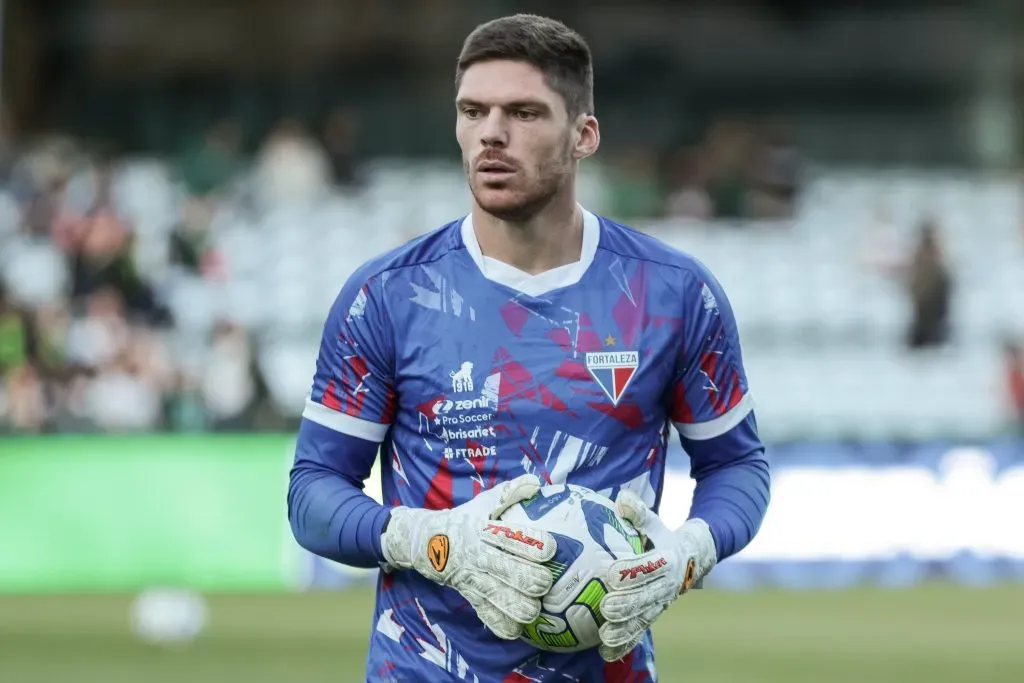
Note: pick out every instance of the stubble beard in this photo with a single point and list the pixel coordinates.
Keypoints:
(551, 178)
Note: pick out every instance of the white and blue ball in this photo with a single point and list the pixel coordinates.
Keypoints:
(590, 536)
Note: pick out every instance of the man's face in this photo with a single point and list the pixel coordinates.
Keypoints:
(519, 147)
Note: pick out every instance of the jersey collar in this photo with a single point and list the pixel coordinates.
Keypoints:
(541, 283)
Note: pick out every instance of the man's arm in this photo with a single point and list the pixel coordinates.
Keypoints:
(713, 412)
(345, 419)
(733, 485)
(329, 514)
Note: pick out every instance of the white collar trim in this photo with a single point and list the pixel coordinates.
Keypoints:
(541, 283)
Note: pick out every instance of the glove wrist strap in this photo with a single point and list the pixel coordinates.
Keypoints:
(699, 546)
(398, 538)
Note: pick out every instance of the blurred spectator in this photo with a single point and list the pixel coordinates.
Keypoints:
(777, 171)
(15, 334)
(633, 188)
(78, 206)
(24, 400)
(69, 410)
(105, 260)
(292, 168)
(150, 358)
(688, 197)
(228, 383)
(930, 286)
(727, 149)
(122, 398)
(51, 326)
(133, 372)
(184, 407)
(1013, 354)
(192, 240)
(45, 208)
(101, 335)
(39, 176)
(35, 273)
(339, 138)
(213, 163)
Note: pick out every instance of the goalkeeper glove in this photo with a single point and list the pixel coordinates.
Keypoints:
(497, 567)
(642, 587)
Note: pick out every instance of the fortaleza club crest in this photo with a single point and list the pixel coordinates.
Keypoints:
(613, 371)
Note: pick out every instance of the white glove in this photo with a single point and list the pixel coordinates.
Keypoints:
(642, 587)
(496, 566)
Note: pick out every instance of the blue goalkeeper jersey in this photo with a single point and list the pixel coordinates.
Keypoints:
(470, 372)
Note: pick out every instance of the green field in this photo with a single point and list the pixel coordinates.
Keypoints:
(933, 634)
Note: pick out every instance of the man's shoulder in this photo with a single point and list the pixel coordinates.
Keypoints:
(630, 243)
(427, 248)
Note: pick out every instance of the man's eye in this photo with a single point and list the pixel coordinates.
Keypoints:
(525, 115)
(471, 112)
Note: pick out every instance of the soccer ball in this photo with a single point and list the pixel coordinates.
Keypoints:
(163, 616)
(590, 536)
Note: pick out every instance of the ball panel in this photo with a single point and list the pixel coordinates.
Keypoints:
(591, 596)
(545, 501)
(567, 551)
(598, 517)
(549, 632)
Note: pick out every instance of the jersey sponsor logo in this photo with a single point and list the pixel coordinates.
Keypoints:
(437, 552)
(474, 433)
(446, 406)
(462, 379)
(470, 452)
(649, 568)
(613, 371)
(515, 535)
(467, 418)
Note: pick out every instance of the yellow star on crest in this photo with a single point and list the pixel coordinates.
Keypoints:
(609, 340)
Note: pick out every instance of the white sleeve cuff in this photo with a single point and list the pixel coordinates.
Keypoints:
(702, 431)
(345, 424)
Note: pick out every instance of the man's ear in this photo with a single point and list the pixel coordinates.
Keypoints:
(588, 137)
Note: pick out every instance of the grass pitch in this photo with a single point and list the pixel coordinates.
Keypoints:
(931, 634)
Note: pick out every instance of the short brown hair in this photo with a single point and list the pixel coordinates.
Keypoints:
(560, 53)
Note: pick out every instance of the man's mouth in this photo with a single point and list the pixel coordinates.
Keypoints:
(495, 169)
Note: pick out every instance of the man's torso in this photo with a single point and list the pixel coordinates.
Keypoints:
(572, 384)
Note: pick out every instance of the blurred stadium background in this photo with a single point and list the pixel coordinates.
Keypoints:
(184, 187)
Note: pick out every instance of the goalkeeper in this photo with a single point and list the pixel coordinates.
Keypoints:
(529, 341)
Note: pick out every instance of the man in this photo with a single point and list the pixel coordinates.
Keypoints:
(528, 342)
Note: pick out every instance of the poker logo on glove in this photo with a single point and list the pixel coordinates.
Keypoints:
(515, 535)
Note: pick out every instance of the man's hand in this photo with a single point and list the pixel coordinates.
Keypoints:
(641, 588)
(496, 566)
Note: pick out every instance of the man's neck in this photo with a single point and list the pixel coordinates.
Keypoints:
(552, 238)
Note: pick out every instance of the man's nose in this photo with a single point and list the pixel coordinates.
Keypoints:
(495, 131)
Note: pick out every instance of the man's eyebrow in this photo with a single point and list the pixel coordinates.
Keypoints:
(514, 104)
(527, 104)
